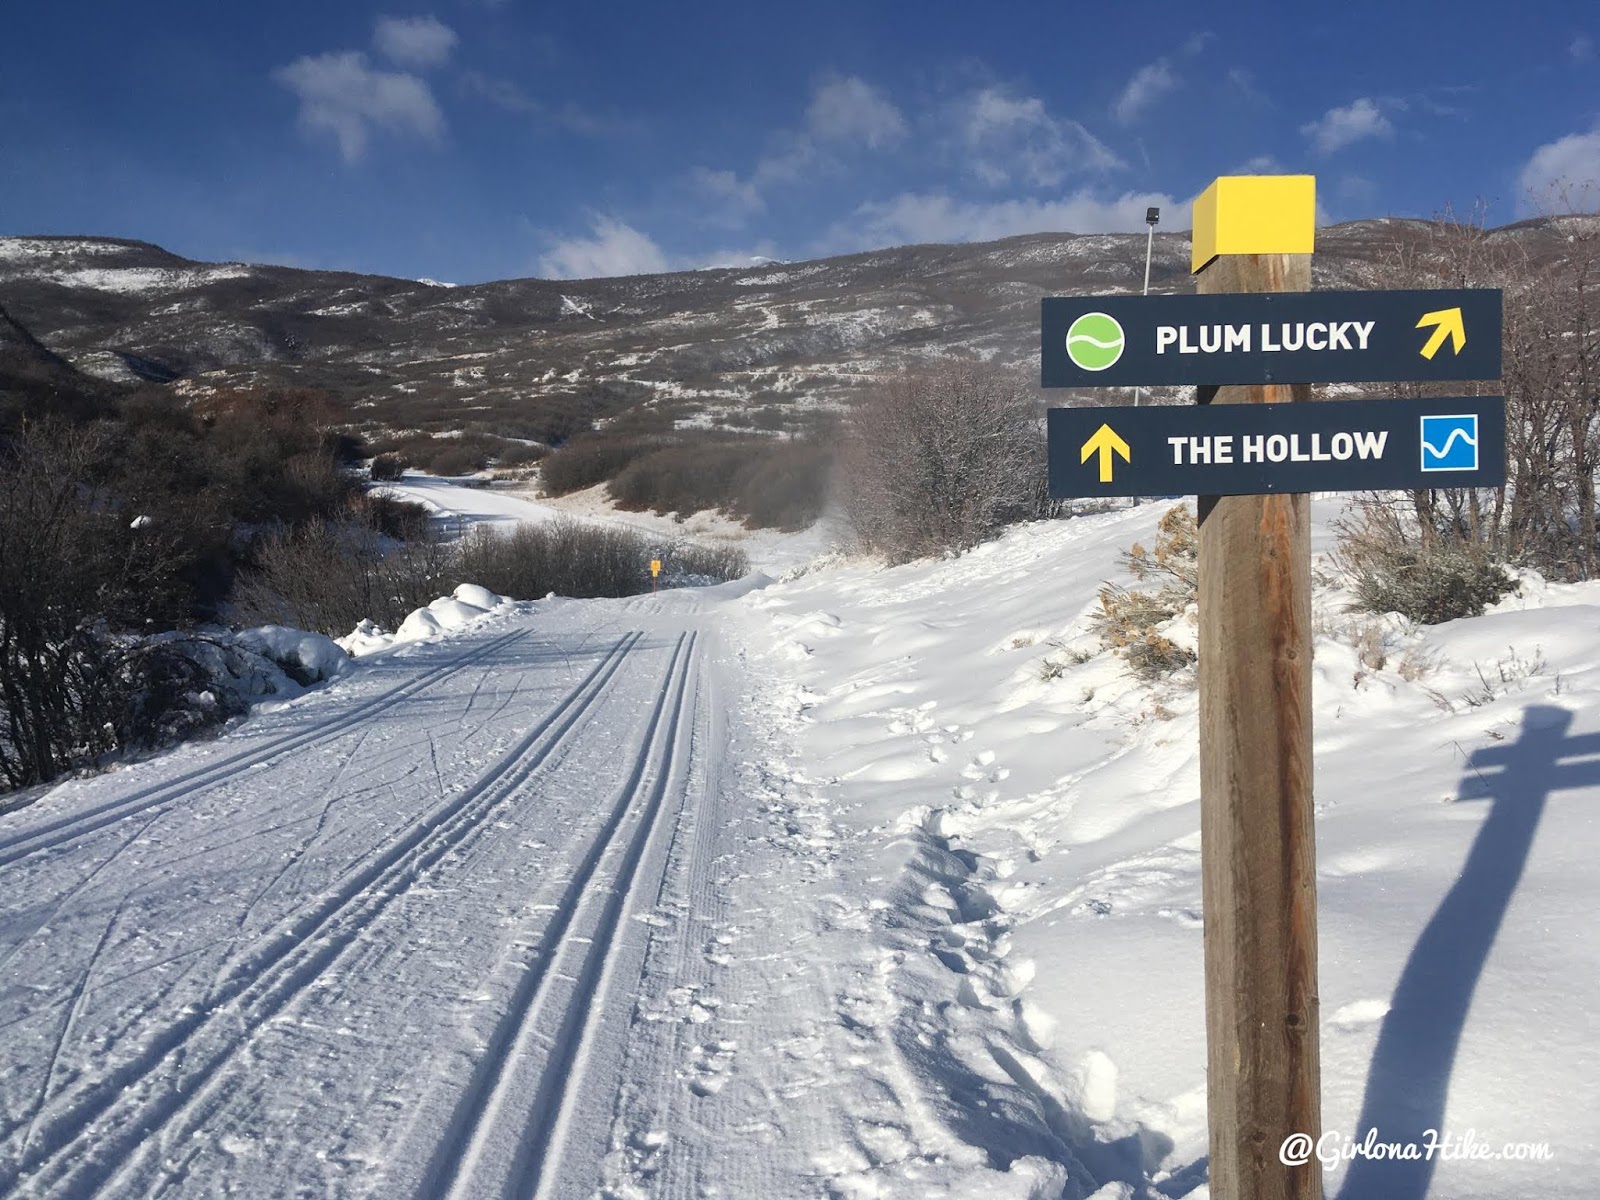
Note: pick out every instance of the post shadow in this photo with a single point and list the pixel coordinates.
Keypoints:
(1410, 1075)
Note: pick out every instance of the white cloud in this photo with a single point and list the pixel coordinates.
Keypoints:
(1149, 84)
(502, 93)
(938, 217)
(1581, 48)
(1562, 171)
(344, 95)
(843, 113)
(1341, 127)
(616, 248)
(413, 41)
(740, 194)
(851, 110)
(1006, 137)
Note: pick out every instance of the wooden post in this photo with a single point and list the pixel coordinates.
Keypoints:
(1258, 853)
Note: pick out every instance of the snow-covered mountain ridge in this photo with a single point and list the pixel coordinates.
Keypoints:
(783, 337)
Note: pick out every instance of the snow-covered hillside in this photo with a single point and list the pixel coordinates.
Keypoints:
(869, 883)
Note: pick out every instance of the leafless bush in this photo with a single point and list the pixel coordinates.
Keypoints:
(1394, 567)
(1545, 515)
(682, 479)
(586, 461)
(329, 575)
(571, 558)
(389, 515)
(941, 458)
(785, 486)
(75, 573)
(694, 564)
(1129, 620)
(521, 454)
(562, 556)
(456, 458)
(386, 468)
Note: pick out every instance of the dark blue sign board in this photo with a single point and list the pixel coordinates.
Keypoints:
(1247, 449)
(1274, 337)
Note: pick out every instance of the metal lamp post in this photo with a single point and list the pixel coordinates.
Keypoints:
(1152, 217)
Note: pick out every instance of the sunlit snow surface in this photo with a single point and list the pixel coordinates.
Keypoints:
(820, 887)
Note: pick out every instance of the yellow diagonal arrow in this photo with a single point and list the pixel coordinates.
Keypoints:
(1448, 324)
(1104, 442)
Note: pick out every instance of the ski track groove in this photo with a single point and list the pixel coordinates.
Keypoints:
(63, 830)
(292, 961)
(74, 1008)
(486, 1107)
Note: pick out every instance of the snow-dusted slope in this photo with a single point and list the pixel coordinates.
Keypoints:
(872, 883)
(1024, 846)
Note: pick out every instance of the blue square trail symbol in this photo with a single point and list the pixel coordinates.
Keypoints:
(1450, 443)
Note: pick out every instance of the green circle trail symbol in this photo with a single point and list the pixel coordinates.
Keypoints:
(1095, 341)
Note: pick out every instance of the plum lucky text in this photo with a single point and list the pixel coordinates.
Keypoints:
(1267, 337)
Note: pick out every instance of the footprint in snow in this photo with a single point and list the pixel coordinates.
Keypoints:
(710, 1067)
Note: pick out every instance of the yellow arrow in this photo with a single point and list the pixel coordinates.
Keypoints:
(1103, 443)
(1448, 324)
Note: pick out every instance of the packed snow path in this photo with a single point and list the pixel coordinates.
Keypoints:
(449, 929)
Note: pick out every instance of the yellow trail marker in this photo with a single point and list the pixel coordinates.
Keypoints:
(1448, 323)
(655, 566)
(1104, 442)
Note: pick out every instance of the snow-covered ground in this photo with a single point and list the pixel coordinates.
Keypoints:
(871, 883)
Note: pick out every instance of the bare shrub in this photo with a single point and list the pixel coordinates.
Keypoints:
(694, 564)
(571, 558)
(521, 454)
(1545, 515)
(389, 515)
(785, 486)
(767, 482)
(586, 461)
(328, 576)
(455, 458)
(1394, 567)
(941, 458)
(1129, 619)
(386, 468)
(683, 478)
(75, 575)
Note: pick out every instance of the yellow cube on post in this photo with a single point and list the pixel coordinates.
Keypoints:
(1254, 214)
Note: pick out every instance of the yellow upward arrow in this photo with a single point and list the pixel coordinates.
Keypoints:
(1104, 442)
(1448, 324)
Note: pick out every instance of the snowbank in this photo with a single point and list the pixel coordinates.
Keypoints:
(466, 605)
(305, 657)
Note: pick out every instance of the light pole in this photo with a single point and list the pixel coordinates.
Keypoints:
(1152, 217)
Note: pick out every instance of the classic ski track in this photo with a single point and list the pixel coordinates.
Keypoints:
(294, 958)
(68, 829)
(485, 1108)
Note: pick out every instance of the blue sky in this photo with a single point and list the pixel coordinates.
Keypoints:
(472, 139)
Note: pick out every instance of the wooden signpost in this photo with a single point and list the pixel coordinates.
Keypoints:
(1257, 843)
(1253, 240)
